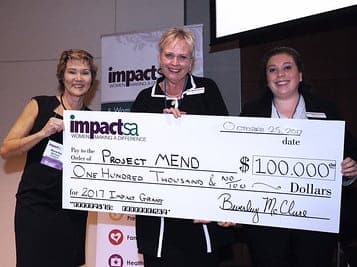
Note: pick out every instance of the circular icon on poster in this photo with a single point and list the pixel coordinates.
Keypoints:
(115, 260)
(115, 237)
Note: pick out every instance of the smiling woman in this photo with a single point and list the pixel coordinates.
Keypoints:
(76, 73)
(39, 216)
(287, 96)
(178, 92)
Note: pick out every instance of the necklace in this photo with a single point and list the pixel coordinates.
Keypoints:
(64, 107)
(174, 98)
(292, 116)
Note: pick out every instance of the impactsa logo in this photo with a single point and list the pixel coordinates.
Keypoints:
(132, 77)
(105, 128)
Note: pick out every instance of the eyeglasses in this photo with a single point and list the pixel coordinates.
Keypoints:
(179, 58)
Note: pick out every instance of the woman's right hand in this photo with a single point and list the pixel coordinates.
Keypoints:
(175, 111)
(52, 126)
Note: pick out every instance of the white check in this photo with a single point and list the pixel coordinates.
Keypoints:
(275, 172)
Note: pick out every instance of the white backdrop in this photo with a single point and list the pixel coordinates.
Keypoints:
(129, 64)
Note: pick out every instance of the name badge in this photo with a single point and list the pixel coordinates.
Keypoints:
(52, 156)
(316, 115)
(195, 91)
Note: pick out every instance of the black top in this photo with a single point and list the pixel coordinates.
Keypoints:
(41, 184)
(46, 234)
(210, 102)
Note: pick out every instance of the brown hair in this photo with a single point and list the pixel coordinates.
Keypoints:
(74, 54)
(282, 50)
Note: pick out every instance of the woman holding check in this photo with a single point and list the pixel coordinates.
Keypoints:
(178, 242)
(47, 235)
(287, 97)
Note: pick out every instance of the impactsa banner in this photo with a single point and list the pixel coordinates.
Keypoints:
(130, 64)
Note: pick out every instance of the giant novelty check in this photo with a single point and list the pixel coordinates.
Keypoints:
(274, 172)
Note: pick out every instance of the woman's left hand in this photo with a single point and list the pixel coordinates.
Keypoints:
(222, 224)
(349, 167)
(226, 224)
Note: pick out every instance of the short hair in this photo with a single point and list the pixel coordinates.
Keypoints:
(174, 34)
(74, 54)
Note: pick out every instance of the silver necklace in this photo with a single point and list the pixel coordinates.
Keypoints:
(174, 98)
(292, 116)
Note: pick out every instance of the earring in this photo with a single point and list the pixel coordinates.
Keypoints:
(159, 71)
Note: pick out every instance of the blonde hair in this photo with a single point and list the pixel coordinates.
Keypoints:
(174, 34)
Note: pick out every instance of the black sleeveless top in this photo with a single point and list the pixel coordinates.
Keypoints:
(41, 184)
(46, 234)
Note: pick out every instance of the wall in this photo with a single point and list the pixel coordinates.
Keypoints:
(33, 34)
(221, 66)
